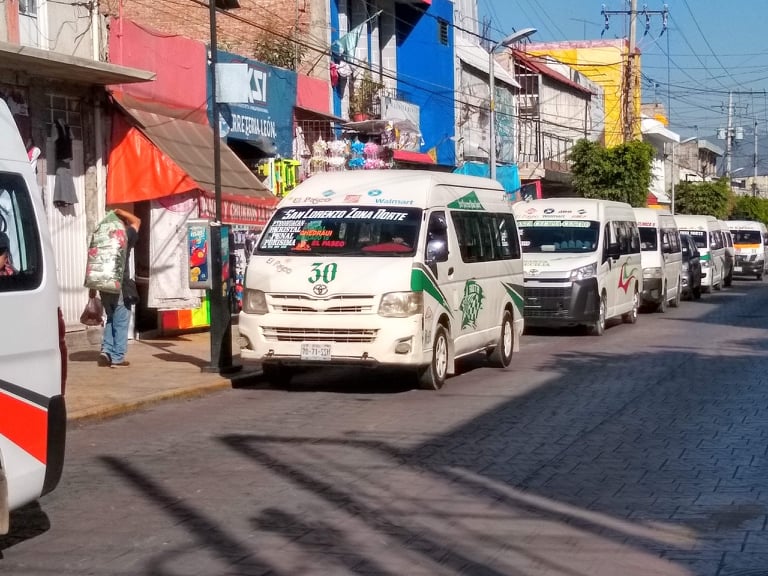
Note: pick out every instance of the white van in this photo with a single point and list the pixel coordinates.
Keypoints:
(661, 256)
(32, 349)
(705, 231)
(750, 240)
(581, 259)
(729, 253)
(393, 268)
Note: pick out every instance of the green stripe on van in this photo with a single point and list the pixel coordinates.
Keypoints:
(516, 294)
(706, 256)
(422, 280)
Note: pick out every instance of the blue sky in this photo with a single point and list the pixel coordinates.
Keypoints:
(709, 48)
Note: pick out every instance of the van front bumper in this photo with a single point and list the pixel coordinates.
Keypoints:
(561, 303)
(280, 338)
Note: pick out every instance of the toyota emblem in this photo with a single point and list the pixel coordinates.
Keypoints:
(320, 289)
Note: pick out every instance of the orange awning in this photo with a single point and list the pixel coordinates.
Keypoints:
(155, 156)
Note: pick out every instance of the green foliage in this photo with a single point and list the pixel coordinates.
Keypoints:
(621, 173)
(278, 51)
(750, 208)
(713, 198)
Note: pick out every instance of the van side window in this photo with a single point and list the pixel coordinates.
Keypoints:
(485, 236)
(23, 268)
(437, 238)
(634, 237)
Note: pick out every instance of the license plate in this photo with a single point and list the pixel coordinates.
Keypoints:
(737, 268)
(315, 351)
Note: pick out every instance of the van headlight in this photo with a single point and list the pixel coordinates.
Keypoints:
(401, 304)
(652, 273)
(705, 263)
(254, 302)
(584, 272)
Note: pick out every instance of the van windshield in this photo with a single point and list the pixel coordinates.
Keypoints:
(699, 236)
(746, 237)
(649, 239)
(342, 231)
(559, 235)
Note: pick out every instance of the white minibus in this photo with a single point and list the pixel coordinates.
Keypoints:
(661, 256)
(581, 261)
(32, 349)
(705, 231)
(391, 268)
(749, 241)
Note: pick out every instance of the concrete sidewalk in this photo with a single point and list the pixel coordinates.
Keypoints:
(159, 369)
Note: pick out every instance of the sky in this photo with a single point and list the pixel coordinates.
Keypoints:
(710, 47)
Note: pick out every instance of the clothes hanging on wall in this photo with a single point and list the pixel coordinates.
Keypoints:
(64, 193)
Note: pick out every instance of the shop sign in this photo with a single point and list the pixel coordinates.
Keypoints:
(238, 209)
(256, 101)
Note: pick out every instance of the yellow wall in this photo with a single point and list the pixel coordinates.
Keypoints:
(602, 61)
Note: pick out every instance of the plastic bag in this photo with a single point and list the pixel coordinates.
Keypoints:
(93, 314)
(106, 255)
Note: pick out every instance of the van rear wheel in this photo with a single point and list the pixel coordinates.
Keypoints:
(501, 355)
(433, 376)
(631, 316)
(675, 302)
(661, 307)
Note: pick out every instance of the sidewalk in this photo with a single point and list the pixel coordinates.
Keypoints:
(159, 369)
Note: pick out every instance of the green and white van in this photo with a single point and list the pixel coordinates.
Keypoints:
(706, 232)
(661, 256)
(390, 268)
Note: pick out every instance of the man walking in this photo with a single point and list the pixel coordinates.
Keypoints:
(117, 307)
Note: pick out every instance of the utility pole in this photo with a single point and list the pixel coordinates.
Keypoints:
(631, 83)
(754, 165)
(728, 138)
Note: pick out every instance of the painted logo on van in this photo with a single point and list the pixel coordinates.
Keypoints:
(626, 279)
(471, 304)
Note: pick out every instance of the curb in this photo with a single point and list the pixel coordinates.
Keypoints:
(105, 412)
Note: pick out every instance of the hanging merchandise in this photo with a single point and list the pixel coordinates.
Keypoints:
(356, 160)
(373, 157)
(288, 169)
(266, 170)
(64, 193)
(319, 156)
(339, 151)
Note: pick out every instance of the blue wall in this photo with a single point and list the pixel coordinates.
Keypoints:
(425, 72)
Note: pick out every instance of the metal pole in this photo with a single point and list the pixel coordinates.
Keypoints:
(754, 166)
(221, 318)
(674, 179)
(492, 115)
(728, 132)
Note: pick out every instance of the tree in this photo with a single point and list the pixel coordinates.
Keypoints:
(621, 173)
(750, 208)
(713, 198)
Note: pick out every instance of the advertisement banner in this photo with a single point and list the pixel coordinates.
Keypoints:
(266, 112)
(199, 253)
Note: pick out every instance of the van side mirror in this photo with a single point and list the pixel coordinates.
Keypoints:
(437, 250)
(614, 250)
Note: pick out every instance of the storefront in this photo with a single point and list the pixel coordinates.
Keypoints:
(162, 166)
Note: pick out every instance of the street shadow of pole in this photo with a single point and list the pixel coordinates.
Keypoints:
(207, 532)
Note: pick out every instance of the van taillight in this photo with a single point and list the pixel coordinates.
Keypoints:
(63, 350)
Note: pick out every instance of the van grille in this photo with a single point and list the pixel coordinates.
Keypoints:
(341, 335)
(547, 302)
(303, 304)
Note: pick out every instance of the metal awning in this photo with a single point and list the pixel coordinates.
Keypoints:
(475, 56)
(58, 66)
(190, 146)
(322, 115)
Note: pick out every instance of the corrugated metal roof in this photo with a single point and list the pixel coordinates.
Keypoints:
(531, 62)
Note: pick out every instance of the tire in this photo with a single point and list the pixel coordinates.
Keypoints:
(598, 328)
(675, 302)
(433, 376)
(661, 307)
(276, 374)
(760, 277)
(501, 355)
(631, 316)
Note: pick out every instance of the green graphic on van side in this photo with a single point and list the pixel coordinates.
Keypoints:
(516, 294)
(471, 304)
(468, 202)
(422, 280)
(705, 257)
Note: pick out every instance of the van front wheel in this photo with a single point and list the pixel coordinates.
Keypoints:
(598, 328)
(433, 376)
(501, 355)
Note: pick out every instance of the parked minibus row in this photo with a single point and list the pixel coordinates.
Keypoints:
(415, 270)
